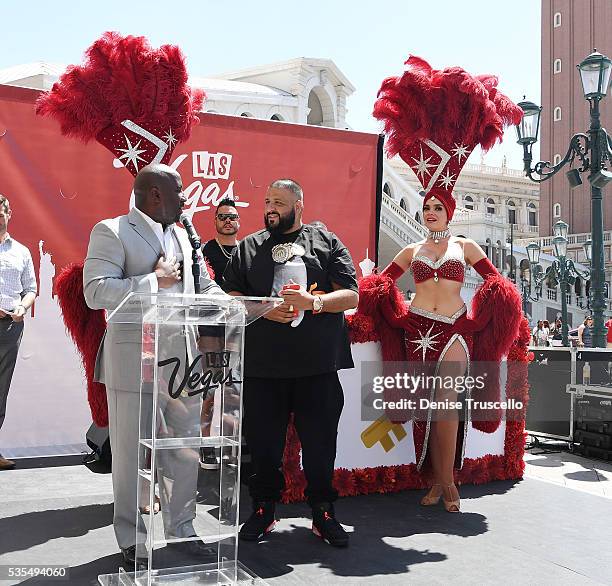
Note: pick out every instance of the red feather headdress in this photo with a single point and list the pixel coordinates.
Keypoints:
(434, 119)
(131, 98)
(135, 101)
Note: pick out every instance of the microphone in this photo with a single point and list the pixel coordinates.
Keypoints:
(194, 239)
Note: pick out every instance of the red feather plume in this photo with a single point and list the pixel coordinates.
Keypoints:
(124, 78)
(86, 327)
(445, 106)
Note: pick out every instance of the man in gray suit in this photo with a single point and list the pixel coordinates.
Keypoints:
(143, 251)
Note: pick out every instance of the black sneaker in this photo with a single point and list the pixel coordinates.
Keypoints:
(208, 459)
(260, 523)
(325, 526)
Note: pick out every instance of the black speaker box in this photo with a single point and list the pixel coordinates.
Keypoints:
(98, 440)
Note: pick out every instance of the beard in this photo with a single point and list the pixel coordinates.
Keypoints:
(284, 223)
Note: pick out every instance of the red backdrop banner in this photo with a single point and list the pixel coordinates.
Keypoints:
(59, 188)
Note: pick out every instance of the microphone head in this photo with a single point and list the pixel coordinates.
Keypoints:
(184, 218)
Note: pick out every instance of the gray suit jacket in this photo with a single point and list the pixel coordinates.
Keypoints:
(121, 256)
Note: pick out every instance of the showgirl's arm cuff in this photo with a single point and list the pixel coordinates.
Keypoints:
(484, 267)
(393, 271)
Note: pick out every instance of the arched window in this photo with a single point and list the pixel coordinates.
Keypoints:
(490, 206)
(321, 110)
(533, 214)
(403, 204)
(557, 210)
(387, 189)
(557, 20)
(511, 212)
(468, 202)
(417, 217)
(557, 114)
(277, 117)
(246, 115)
(557, 66)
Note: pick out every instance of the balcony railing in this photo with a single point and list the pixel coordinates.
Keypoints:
(404, 215)
(487, 170)
(547, 241)
(475, 216)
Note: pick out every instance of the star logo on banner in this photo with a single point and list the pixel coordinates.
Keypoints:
(169, 138)
(460, 151)
(423, 165)
(132, 153)
(427, 341)
(447, 179)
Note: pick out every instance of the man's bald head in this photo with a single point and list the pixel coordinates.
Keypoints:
(151, 176)
(158, 192)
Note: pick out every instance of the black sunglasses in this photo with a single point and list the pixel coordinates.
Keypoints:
(224, 217)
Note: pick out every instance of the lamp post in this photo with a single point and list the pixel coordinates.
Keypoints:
(510, 241)
(590, 151)
(561, 271)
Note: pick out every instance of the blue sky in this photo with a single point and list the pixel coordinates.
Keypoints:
(367, 39)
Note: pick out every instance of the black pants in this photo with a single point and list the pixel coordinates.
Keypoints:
(316, 402)
(10, 338)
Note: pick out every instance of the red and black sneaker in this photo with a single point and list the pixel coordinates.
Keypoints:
(260, 523)
(325, 526)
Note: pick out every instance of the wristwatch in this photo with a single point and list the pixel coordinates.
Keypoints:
(317, 304)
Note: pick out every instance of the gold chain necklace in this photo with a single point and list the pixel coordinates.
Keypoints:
(227, 255)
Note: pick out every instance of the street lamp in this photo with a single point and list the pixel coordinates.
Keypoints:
(590, 151)
(510, 241)
(587, 246)
(562, 271)
(526, 293)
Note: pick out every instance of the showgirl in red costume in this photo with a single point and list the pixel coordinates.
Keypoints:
(433, 120)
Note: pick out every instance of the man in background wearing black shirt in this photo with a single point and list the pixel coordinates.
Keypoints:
(292, 355)
(217, 253)
(219, 250)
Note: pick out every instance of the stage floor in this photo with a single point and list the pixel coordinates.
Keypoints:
(537, 531)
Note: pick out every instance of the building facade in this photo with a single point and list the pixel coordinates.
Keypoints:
(494, 205)
(571, 30)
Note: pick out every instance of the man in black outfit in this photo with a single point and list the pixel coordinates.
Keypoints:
(217, 253)
(218, 250)
(293, 355)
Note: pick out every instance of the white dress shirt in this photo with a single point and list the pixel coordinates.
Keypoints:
(170, 247)
(16, 273)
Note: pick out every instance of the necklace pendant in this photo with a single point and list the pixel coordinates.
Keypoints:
(437, 241)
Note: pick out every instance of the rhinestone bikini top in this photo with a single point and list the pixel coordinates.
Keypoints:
(450, 266)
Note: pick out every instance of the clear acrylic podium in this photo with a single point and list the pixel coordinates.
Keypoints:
(190, 408)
